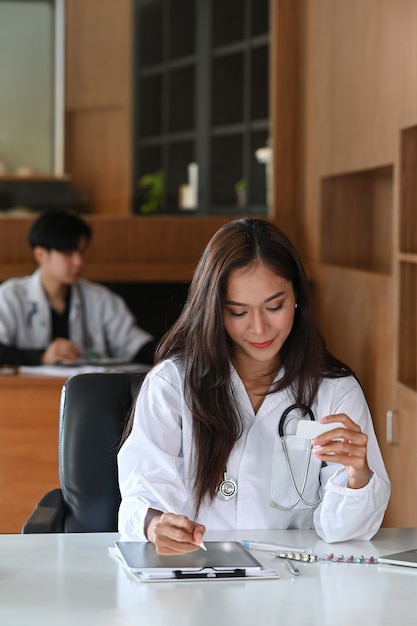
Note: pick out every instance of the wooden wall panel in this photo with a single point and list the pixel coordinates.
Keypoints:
(359, 328)
(360, 89)
(14, 246)
(144, 249)
(98, 145)
(286, 107)
(98, 155)
(98, 53)
(363, 54)
(360, 92)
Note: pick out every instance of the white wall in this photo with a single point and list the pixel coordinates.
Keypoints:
(27, 84)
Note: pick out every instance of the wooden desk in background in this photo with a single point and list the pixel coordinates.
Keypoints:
(29, 413)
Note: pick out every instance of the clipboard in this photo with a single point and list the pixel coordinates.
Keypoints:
(223, 560)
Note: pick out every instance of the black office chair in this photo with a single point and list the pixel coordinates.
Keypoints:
(93, 412)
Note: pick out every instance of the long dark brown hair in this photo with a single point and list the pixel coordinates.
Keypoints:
(199, 339)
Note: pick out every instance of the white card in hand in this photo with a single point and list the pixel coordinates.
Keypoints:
(309, 429)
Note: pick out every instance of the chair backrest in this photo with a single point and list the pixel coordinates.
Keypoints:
(93, 412)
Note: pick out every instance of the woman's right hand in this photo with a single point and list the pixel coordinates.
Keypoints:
(174, 534)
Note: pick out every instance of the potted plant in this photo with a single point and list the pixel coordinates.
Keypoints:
(155, 185)
(240, 190)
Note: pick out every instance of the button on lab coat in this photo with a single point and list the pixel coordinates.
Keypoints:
(160, 446)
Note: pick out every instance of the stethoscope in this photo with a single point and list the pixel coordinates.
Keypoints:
(87, 339)
(281, 432)
(228, 487)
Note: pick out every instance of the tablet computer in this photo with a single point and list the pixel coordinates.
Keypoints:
(222, 559)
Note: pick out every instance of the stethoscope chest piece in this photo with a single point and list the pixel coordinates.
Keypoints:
(227, 488)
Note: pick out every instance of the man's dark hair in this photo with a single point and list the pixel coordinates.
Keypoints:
(58, 230)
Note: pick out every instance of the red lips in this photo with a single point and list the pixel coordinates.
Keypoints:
(263, 345)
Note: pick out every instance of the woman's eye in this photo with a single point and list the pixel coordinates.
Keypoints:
(277, 308)
(236, 314)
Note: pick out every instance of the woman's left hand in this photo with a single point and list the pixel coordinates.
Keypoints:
(348, 446)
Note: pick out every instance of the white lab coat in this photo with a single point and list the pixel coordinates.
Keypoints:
(99, 319)
(160, 446)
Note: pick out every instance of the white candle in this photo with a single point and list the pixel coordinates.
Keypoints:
(193, 184)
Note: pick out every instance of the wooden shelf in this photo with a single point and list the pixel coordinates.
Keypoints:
(407, 258)
(356, 219)
(33, 178)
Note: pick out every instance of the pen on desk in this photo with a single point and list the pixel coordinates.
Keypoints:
(272, 547)
(162, 500)
(294, 571)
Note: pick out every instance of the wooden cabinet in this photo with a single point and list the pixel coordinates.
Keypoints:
(354, 287)
(360, 211)
(401, 431)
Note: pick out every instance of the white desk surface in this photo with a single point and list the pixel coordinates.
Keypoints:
(60, 580)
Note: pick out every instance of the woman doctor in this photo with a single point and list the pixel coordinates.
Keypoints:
(205, 429)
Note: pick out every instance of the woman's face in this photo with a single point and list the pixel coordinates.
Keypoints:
(258, 314)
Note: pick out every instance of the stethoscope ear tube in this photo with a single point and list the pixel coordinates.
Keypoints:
(304, 408)
(87, 340)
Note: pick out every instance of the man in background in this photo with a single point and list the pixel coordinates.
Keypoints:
(54, 315)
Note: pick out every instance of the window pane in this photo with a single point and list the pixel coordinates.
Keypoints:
(150, 106)
(226, 169)
(260, 17)
(150, 34)
(260, 83)
(181, 99)
(227, 90)
(228, 21)
(181, 28)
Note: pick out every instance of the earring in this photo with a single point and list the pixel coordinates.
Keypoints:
(296, 305)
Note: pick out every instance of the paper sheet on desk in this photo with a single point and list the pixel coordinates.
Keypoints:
(66, 371)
